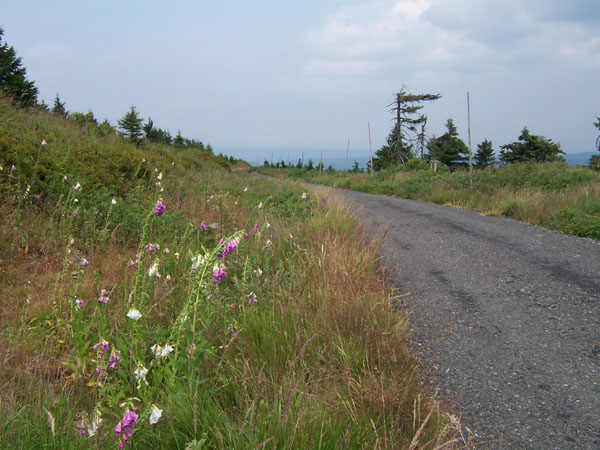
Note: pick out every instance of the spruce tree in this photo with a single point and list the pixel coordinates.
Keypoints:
(530, 147)
(131, 124)
(485, 155)
(449, 149)
(59, 107)
(12, 76)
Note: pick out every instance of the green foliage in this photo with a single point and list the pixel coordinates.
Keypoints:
(530, 147)
(449, 149)
(59, 107)
(13, 81)
(485, 155)
(131, 124)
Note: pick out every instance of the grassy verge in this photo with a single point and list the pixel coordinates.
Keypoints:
(550, 195)
(238, 317)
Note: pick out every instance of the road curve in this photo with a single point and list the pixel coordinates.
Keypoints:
(506, 319)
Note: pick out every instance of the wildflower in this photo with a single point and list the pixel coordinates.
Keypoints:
(77, 187)
(84, 262)
(218, 273)
(37, 198)
(260, 205)
(203, 225)
(160, 351)
(94, 424)
(131, 263)
(166, 251)
(79, 303)
(198, 261)
(252, 298)
(233, 333)
(269, 244)
(134, 314)
(246, 189)
(104, 296)
(149, 248)
(113, 201)
(75, 200)
(168, 278)
(114, 360)
(155, 415)
(43, 143)
(74, 214)
(154, 270)
(159, 176)
(81, 428)
(291, 236)
(140, 373)
(13, 168)
(100, 372)
(258, 272)
(143, 160)
(256, 227)
(155, 170)
(268, 225)
(246, 235)
(177, 255)
(125, 427)
(303, 196)
(64, 177)
(160, 208)
(229, 247)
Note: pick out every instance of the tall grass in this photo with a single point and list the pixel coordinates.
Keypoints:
(296, 346)
(550, 195)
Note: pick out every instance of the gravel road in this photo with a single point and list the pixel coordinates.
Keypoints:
(506, 319)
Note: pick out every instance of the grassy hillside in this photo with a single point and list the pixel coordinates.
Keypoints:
(551, 195)
(155, 297)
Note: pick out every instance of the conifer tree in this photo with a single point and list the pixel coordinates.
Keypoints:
(485, 155)
(131, 124)
(59, 107)
(595, 159)
(530, 147)
(12, 76)
(449, 149)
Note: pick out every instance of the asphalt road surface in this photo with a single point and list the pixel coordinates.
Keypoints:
(506, 319)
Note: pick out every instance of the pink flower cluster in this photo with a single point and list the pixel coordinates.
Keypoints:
(124, 428)
(151, 247)
(160, 208)
(219, 273)
(104, 296)
(229, 247)
(114, 359)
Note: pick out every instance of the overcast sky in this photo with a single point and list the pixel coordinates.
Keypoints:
(309, 74)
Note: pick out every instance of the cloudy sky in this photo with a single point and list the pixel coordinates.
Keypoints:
(310, 74)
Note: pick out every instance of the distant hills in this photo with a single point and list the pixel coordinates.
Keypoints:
(581, 159)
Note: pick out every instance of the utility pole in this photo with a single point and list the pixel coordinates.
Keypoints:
(370, 147)
(470, 152)
(347, 149)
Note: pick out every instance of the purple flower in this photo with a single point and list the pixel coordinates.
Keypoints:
(219, 273)
(104, 296)
(115, 360)
(100, 372)
(84, 262)
(75, 214)
(229, 247)
(256, 227)
(269, 244)
(125, 427)
(166, 251)
(13, 168)
(43, 143)
(246, 235)
(203, 225)
(252, 298)
(37, 197)
(160, 208)
(79, 303)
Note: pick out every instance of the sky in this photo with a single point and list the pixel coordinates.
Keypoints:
(261, 77)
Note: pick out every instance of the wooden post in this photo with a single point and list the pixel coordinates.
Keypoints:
(347, 150)
(470, 152)
(370, 147)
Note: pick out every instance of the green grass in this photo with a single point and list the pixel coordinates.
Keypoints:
(320, 360)
(551, 195)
